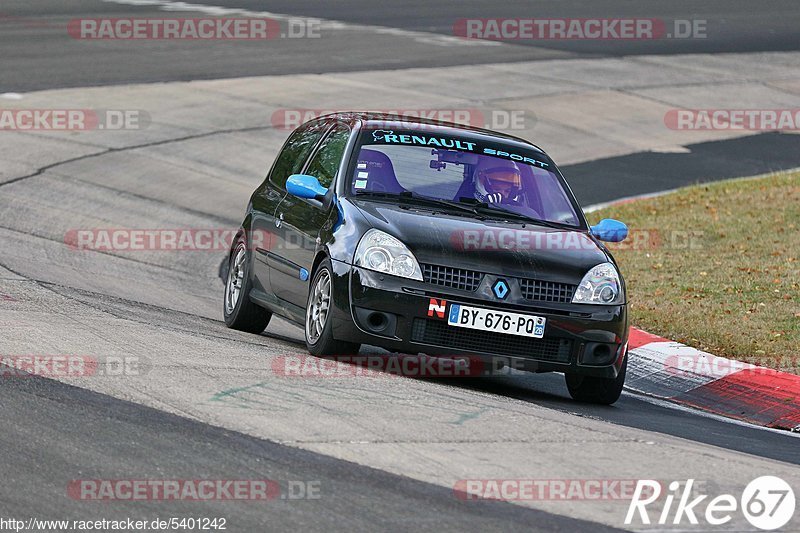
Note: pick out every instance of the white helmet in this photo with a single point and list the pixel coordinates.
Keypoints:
(497, 177)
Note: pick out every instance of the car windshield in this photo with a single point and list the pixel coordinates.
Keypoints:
(491, 177)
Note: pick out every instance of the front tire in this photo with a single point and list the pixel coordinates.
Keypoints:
(237, 309)
(319, 327)
(590, 389)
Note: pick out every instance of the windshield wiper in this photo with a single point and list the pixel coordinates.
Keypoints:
(408, 197)
(490, 209)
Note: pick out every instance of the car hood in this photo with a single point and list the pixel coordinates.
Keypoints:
(489, 246)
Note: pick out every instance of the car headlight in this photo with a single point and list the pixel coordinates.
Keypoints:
(381, 252)
(601, 285)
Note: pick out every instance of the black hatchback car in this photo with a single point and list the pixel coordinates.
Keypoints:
(424, 237)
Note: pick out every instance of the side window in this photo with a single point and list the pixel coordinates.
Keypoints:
(295, 152)
(325, 162)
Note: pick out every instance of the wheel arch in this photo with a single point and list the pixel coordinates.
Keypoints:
(225, 263)
(322, 254)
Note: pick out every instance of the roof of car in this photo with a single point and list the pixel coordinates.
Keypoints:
(372, 119)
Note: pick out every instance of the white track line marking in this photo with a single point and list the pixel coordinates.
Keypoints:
(626, 199)
(719, 418)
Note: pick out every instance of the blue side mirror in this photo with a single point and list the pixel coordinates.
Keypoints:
(305, 186)
(610, 230)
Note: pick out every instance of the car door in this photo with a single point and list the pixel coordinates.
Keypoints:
(301, 220)
(291, 160)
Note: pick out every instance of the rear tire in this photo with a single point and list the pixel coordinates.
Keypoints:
(237, 309)
(318, 327)
(590, 389)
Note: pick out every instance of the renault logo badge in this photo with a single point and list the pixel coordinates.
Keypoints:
(500, 289)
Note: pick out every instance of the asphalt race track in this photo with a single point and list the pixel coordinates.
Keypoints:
(382, 36)
(163, 445)
(206, 402)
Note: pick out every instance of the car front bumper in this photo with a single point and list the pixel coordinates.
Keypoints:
(393, 313)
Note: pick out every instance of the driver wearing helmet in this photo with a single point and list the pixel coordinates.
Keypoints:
(497, 183)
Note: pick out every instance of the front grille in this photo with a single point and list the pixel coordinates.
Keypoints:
(546, 291)
(438, 333)
(455, 278)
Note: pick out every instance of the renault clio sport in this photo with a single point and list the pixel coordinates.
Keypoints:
(425, 237)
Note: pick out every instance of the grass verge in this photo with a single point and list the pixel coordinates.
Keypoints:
(717, 267)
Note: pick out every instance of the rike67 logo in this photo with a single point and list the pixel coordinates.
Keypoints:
(767, 503)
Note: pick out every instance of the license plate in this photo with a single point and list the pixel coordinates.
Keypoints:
(464, 316)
